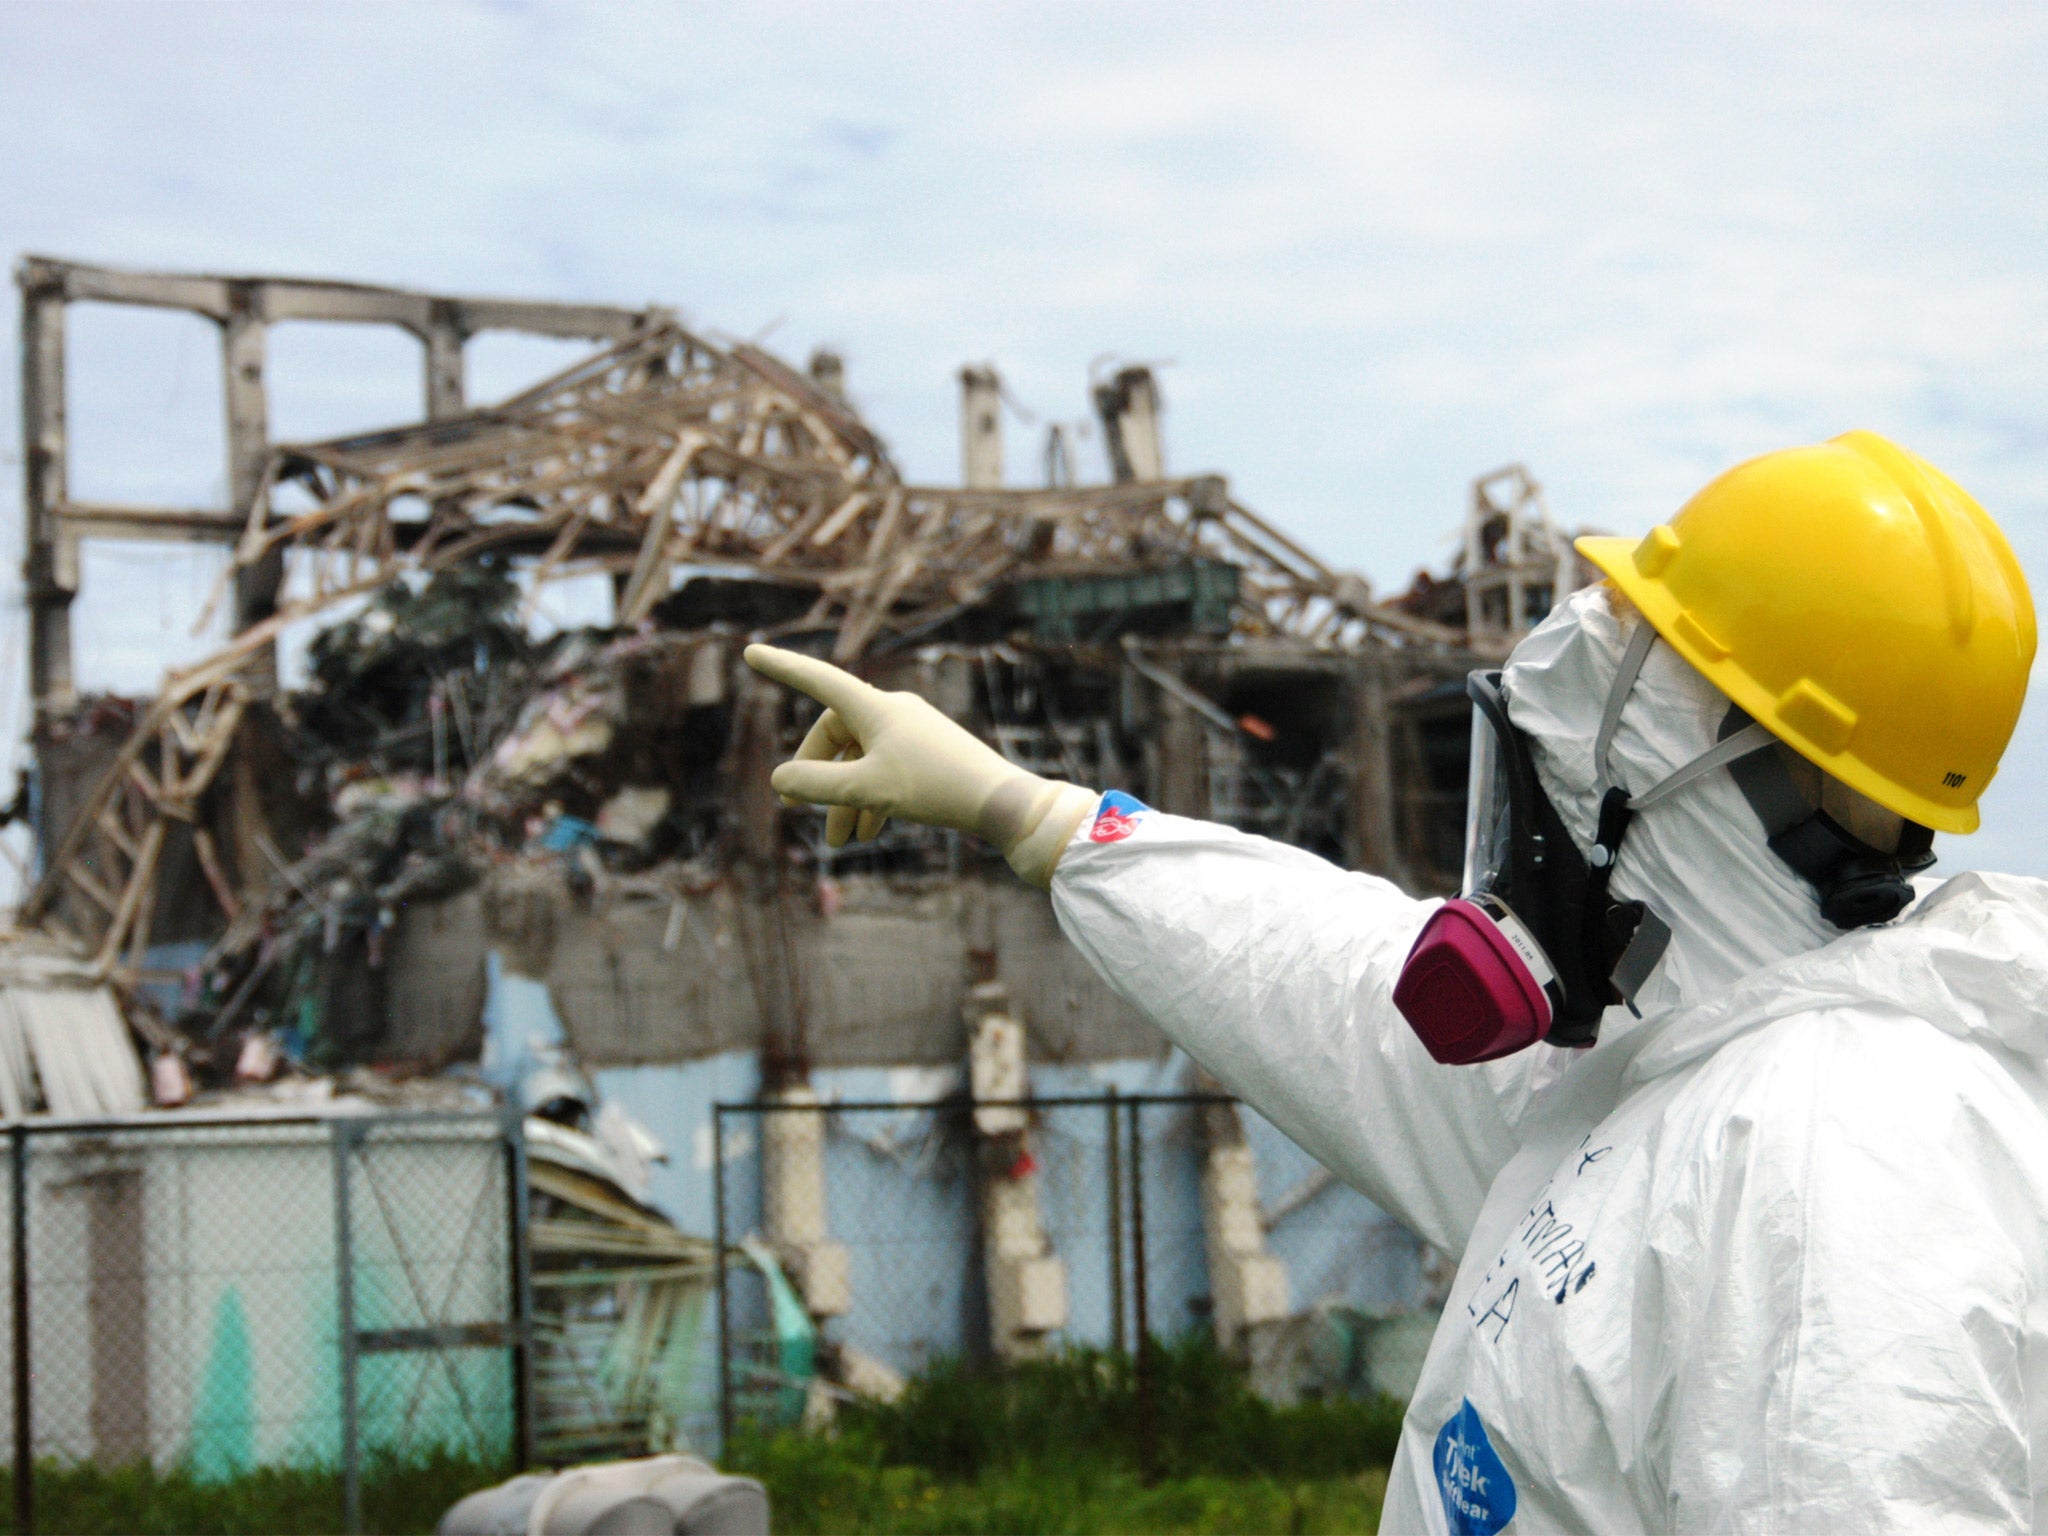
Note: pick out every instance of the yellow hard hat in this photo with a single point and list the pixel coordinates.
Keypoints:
(1857, 602)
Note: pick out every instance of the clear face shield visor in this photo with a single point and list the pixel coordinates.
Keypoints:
(1487, 809)
(1480, 981)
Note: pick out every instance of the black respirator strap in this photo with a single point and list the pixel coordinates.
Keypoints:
(1916, 848)
(1646, 947)
(1857, 884)
(1623, 940)
(1765, 784)
(1594, 936)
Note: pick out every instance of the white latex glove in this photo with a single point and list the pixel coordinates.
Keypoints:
(873, 755)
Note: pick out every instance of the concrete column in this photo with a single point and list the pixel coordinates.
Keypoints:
(1181, 780)
(1247, 1285)
(50, 563)
(828, 372)
(444, 341)
(981, 429)
(793, 1210)
(117, 1309)
(1373, 836)
(1027, 1281)
(1129, 407)
(244, 336)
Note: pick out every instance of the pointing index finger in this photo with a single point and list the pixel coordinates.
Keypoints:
(836, 689)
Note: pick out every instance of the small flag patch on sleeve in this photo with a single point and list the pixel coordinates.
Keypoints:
(1117, 818)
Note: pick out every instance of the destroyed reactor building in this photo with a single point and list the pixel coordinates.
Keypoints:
(456, 848)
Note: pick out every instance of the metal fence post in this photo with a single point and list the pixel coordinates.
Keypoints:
(522, 1289)
(1116, 1223)
(346, 1135)
(24, 1377)
(1148, 1450)
(718, 1258)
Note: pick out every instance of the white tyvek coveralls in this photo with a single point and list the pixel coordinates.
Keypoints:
(1773, 1258)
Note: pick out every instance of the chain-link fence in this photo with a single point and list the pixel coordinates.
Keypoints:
(870, 1240)
(220, 1297)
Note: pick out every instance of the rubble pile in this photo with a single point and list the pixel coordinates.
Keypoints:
(594, 758)
(418, 680)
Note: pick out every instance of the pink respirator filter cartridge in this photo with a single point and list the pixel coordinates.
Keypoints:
(1466, 988)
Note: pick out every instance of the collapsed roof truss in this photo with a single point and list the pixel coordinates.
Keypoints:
(666, 450)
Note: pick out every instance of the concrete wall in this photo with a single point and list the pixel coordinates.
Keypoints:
(645, 980)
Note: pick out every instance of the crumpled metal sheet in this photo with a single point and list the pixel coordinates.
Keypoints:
(66, 1049)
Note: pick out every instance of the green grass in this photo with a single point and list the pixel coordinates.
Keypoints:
(1054, 1446)
(816, 1493)
(1050, 1447)
(408, 1496)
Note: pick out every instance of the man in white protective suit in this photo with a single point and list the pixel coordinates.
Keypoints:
(1735, 1128)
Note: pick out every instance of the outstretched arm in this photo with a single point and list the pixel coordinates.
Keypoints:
(1271, 967)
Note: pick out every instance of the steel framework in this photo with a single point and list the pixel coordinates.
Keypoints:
(663, 450)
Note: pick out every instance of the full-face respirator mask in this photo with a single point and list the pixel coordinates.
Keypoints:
(1536, 949)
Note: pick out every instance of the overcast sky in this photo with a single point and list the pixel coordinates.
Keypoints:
(1376, 250)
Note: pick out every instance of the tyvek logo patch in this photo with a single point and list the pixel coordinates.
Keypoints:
(1478, 1494)
(1117, 818)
